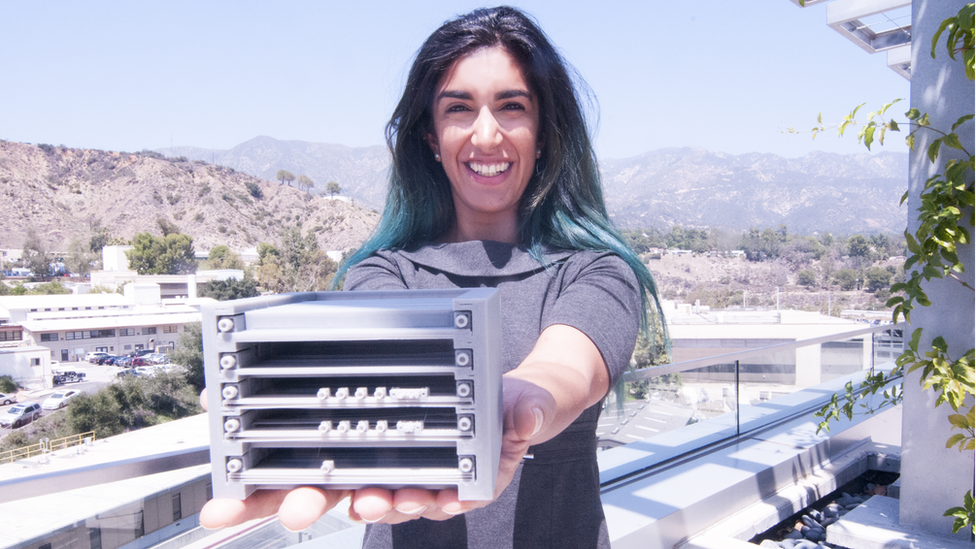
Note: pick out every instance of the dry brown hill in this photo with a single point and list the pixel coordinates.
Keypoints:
(62, 193)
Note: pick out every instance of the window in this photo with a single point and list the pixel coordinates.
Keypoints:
(13, 335)
(127, 347)
(127, 331)
(35, 362)
(89, 334)
(177, 507)
(171, 329)
(149, 330)
(95, 537)
(49, 337)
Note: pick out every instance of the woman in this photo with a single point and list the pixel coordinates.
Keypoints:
(494, 183)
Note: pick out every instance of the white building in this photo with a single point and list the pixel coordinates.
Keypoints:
(67, 327)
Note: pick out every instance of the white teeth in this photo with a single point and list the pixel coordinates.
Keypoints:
(489, 170)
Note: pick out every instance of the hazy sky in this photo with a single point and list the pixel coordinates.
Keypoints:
(725, 76)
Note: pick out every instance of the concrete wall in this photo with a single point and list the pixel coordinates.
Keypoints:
(935, 478)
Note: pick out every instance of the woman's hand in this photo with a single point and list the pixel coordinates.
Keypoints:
(561, 377)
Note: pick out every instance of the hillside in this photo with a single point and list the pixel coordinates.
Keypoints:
(691, 187)
(62, 193)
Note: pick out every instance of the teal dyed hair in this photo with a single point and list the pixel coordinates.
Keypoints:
(562, 206)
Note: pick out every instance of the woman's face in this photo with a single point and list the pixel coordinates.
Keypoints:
(486, 123)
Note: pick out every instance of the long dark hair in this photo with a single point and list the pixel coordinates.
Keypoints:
(562, 206)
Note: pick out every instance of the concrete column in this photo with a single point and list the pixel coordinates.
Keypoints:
(933, 477)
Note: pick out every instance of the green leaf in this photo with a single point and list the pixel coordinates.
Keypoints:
(910, 141)
(916, 335)
(962, 121)
(894, 126)
(955, 439)
(959, 421)
(952, 140)
(913, 113)
(924, 120)
(934, 149)
(868, 132)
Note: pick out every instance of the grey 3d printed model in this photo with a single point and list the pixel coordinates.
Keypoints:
(351, 389)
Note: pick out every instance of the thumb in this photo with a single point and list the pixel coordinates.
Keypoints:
(531, 408)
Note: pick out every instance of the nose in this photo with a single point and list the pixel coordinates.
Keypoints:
(486, 134)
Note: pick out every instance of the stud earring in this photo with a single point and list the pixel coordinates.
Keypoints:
(437, 157)
(538, 153)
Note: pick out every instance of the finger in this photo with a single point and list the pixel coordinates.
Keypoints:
(221, 512)
(413, 501)
(372, 504)
(303, 506)
(203, 398)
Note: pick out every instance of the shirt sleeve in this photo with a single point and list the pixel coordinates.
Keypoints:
(376, 272)
(601, 298)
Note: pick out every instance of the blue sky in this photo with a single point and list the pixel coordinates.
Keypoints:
(725, 76)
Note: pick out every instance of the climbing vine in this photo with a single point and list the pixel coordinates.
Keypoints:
(945, 213)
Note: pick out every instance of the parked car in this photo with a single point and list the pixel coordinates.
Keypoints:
(141, 361)
(93, 357)
(68, 376)
(20, 415)
(126, 373)
(6, 399)
(58, 400)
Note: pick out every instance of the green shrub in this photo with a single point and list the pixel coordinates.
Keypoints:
(7, 385)
(254, 189)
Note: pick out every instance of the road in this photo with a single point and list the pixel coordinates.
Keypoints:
(96, 376)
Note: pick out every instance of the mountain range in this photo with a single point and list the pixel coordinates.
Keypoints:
(692, 187)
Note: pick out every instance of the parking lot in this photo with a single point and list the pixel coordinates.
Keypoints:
(96, 377)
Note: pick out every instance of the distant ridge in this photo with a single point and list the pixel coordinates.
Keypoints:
(842, 194)
(62, 193)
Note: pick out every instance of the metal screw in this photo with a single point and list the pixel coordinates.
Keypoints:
(462, 320)
(462, 358)
(228, 362)
(464, 423)
(466, 465)
(464, 390)
(232, 425)
(230, 392)
(225, 325)
(234, 465)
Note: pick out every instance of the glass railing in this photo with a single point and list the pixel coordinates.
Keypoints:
(680, 408)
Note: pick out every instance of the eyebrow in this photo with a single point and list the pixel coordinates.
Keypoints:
(465, 96)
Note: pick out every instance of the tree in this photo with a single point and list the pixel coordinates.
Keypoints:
(189, 354)
(298, 265)
(35, 255)
(231, 288)
(172, 254)
(847, 279)
(305, 182)
(285, 175)
(806, 278)
(857, 246)
(80, 257)
(876, 279)
(222, 257)
(333, 188)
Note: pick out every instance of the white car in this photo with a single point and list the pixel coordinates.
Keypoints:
(7, 399)
(58, 400)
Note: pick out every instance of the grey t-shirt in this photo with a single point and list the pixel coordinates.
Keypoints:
(554, 500)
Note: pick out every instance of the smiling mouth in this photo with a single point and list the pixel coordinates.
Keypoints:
(489, 170)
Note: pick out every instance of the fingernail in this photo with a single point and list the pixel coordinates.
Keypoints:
(539, 419)
(412, 512)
